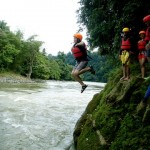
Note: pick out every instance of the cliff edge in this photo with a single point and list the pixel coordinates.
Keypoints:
(116, 118)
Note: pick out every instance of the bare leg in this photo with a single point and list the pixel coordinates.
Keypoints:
(127, 72)
(75, 74)
(148, 58)
(142, 64)
(84, 70)
(143, 71)
(124, 74)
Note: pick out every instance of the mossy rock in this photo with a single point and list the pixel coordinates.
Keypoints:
(119, 117)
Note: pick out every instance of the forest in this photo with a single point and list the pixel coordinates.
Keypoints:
(25, 57)
(104, 21)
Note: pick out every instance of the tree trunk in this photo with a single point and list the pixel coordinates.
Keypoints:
(30, 72)
(30, 69)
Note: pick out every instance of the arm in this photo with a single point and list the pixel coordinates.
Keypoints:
(80, 44)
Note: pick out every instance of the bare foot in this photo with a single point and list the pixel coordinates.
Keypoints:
(125, 79)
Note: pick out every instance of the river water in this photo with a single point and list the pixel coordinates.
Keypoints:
(41, 116)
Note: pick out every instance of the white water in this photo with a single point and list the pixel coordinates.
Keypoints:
(41, 116)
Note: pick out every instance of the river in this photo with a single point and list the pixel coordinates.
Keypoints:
(41, 116)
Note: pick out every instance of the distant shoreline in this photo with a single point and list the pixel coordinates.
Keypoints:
(9, 77)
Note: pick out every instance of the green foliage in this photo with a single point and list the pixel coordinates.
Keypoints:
(70, 59)
(8, 54)
(24, 57)
(42, 68)
(105, 19)
(65, 73)
(3, 26)
(55, 71)
(9, 47)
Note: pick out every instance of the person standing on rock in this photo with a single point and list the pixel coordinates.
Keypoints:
(125, 53)
(79, 52)
(146, 20)
(142, 52)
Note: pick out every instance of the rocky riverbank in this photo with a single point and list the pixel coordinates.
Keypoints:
(14, 78)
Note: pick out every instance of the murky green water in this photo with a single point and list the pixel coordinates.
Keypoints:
(41, 116)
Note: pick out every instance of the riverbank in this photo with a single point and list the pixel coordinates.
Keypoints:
(9, 77)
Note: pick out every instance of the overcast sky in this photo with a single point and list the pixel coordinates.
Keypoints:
(54, 21)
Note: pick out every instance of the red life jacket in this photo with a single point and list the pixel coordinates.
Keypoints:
(147, 37)
(125, 45)
(77, 53)
(141, 45)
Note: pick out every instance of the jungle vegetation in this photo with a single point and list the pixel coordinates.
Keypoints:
(103, 20)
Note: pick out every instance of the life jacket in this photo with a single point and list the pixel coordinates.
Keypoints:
(141, 45)
(147, 37)
(125, 45)
(78, 53)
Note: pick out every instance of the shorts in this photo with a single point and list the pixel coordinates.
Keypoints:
(142, 55)
(125, 57)
(80, 65)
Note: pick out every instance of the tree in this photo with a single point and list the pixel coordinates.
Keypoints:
(55, 70)
(31, 47)
(64, 67)
(3, 26)
(70, 59)
(104, 20)
(9, 48)
(44, 51)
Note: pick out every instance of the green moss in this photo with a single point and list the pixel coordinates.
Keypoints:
(88, 138)
(131, 134)
(117, 114)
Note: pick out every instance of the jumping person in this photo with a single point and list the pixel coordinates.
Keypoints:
(79, 52)
(125, 53)
(142, 52)
(146, 20)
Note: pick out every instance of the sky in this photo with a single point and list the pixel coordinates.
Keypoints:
(54, 21)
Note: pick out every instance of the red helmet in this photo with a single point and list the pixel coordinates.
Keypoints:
(142, 32)
(146, 18)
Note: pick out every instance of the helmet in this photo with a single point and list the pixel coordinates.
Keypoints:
(142, 32)
(146, 18)
(78, 36)
(125, 30)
